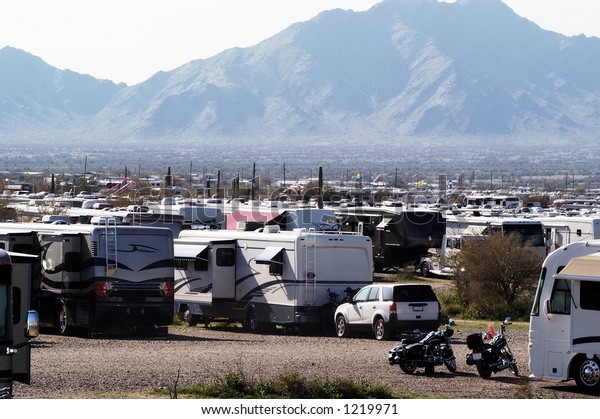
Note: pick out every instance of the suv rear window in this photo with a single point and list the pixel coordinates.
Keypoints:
(412, 293)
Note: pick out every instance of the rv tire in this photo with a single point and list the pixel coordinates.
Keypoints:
(62, 319)
(190, 319)
(424, 269)
(587, 373)
(252, 324)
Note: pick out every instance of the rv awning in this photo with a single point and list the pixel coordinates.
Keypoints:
(383, 224)
(191, 251)
(585, 268)
(268, 255)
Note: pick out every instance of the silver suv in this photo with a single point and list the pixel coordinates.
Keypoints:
(387, 309)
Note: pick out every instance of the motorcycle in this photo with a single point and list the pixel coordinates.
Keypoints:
(425, 351)
(490, 352)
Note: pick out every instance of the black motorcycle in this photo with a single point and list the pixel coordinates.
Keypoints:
(490, 352)
(425, 351)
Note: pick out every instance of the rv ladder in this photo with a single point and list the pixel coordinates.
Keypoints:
(110, 230)
(311, 267)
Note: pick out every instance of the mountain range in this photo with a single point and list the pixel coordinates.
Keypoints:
(403, 69)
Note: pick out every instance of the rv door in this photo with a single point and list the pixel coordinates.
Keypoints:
(223, 262)
(22, 280)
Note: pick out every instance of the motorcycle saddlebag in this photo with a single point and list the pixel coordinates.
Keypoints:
(474, 341)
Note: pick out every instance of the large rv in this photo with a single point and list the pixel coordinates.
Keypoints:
(529, 230)
(400, 235)
(267, 278)
(102, 279)
(18, 324)
(564, 327)
(563, 230)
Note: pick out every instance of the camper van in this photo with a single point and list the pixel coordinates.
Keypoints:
(101, 279)
(268, 277)
(564, 327)
(18, 324)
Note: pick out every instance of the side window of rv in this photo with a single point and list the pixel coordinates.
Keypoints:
(590, 295)
(72, 261)
(560, 302)
(276, 267)
(181, 264)
(225, 257)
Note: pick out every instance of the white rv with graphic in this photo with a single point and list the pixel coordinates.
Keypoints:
(267, 278)
(564, 328)
(100, 279)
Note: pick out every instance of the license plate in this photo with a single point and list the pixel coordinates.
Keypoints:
(417, 308)
(476, 356)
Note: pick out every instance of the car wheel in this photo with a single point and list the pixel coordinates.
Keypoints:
(587, 374)
(341, 327)
(382, 331)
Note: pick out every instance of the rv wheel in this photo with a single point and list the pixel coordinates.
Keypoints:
(424, 269)
(251, 322)
(189, 319)
(61, 320)
(587, 373)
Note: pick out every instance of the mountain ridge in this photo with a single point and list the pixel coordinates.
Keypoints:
(402, 69)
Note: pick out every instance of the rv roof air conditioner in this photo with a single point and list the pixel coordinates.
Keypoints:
(271, 228)
(104, 220)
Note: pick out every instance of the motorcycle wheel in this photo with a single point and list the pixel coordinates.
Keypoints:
(483, 370)
(407, 366)
(450, 364)
(514, 369)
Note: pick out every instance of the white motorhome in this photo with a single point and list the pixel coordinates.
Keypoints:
(98, 278)
(267, 278)
(564, 328)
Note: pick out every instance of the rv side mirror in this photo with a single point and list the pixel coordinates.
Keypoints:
(33, 324)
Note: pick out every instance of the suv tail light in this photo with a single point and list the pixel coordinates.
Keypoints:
(393, 307)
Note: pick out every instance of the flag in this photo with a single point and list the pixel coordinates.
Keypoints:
(358, 176)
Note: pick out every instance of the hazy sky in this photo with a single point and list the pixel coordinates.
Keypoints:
(129, 40)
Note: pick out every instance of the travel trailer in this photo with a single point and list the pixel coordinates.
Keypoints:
(101, 279)
(18, 324)
(267, 278)
(564, 326)
(529, 230)
(563, 230)
(400, 235)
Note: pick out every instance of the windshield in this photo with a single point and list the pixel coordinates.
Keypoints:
(532, 233)
(535, 310)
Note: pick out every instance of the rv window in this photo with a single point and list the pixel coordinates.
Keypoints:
(225, 257)
(560, 302)
(23, 248)
(276, 268)
(201, 264)
(535, 310)
(3, 310)
(590, 295)
(181, 264)
(72, 261)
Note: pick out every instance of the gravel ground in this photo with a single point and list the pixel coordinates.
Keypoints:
(81, 368)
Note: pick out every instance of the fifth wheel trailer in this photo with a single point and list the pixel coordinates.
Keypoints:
(267, 278)
(564, 327)
(99, 279)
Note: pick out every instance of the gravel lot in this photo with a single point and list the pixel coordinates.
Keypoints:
(72, 367)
